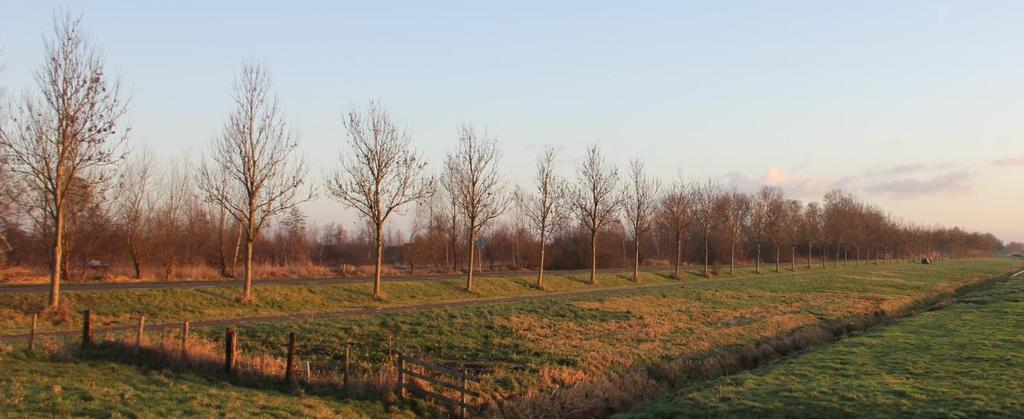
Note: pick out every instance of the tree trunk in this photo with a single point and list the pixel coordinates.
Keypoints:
(593, 257)
(636, 259)
(810, 254)
(472, 255)
(757, 260)
(778, 262)
(136, 265)
(679, 253)
(247, 288)
(705, 254)
(792, 258)
(378, 261)
(732, 257)
(58, 254)
(515, 249)
(540, 268)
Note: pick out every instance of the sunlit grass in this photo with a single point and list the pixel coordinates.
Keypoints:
(964, 360)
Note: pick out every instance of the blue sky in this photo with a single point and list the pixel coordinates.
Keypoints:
(914, 105)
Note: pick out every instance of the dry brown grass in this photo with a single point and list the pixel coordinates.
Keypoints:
(615, 376)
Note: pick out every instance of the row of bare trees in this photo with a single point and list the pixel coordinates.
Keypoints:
(65, 161)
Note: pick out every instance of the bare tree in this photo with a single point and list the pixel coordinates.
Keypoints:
(594, 200)
(256, 156)
(792, 221)
(451, 209)
(774, 219)
(481, 192)
(545, 207)
(134, 205)
(677, 210)
(705, 195)
(69, 133)
(380, 174)
(810, 229)
(736, 217)
(640, 200)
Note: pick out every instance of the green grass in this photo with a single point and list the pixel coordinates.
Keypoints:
(526, 347)
(121, 308)
(515, 346)
(965, 360)
(36, 386)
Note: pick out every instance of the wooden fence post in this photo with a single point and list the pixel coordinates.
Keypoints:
(87, 329)
(32, 334)
(347, 360)
(184, 341)
(289, 366)
(462, 398)
(229, 349)
(401, 376)
(138, 334)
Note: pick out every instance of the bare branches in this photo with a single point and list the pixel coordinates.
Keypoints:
(639, 203)
(481, 193)
(252, 171)
(69, 131)
(134, 205)
(705, 195)
(545, 207)
(380, 174)
(594, 199)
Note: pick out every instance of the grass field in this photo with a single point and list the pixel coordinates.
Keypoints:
(39, 386)
(965, 360)
(121, 308)
(590, 343)
(600, 353)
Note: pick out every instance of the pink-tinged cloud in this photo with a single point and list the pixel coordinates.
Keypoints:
(793, 185)
(1010, 161)
(901, 181)
(957, 182)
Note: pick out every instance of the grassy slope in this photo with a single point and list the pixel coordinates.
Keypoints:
(964, 360)
(523, 345)
(531, 344)
(120, 308)
(36, 387)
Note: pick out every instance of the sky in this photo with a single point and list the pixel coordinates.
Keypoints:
(916, 106)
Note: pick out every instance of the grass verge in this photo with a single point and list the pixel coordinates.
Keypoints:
(961, 361)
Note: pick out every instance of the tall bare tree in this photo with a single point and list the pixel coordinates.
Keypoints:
(792, 221)
(639, 203)
(545, 207)
(481, 195)
(134, 205)
(810, 229)
(256, 155)
(451, 210)
(380, 173)
(594, 199)
(735, 219)
(7, 197)
(705, 195)
(68, 133)
(677, 211)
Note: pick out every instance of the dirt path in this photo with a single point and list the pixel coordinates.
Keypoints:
(283, 318)
(222, 283)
